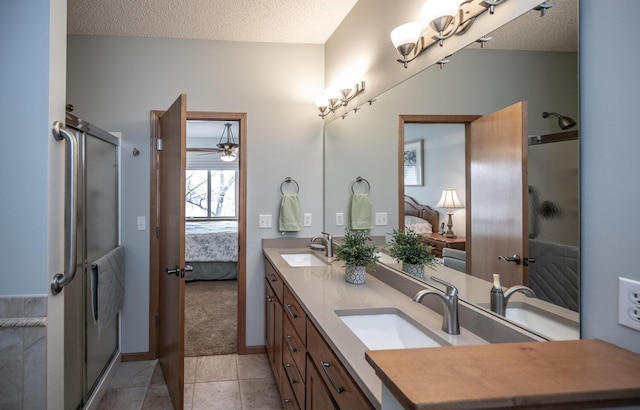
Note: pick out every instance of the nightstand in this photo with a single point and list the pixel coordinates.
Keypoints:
(439, 242)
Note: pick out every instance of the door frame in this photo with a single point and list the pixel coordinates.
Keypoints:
(153, 222)
(465, 120)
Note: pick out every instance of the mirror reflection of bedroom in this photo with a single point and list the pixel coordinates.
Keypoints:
(211, 238)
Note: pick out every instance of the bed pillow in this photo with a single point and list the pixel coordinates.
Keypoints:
(418, 225)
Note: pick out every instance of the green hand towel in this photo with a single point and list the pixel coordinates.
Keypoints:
(290, 213)
(360, 211)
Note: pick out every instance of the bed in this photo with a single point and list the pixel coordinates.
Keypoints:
(421, 218)
(211, 248)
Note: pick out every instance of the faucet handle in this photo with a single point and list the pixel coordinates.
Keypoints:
(451, 290)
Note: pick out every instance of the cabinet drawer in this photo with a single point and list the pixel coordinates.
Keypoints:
(292, 342)
(295, 313)
(274, 279)
(289, 401)
(293, 376)
(342, 387)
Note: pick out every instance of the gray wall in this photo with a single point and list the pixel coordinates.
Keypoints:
(115, 82)
(610, 166)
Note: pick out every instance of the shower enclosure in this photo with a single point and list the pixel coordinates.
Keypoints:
(91, 232)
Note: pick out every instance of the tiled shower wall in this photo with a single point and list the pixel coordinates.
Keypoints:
(22, 352)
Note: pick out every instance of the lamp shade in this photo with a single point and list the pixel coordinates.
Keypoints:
(433, 9)
(407, 33)
(322, 101)
(449, 199)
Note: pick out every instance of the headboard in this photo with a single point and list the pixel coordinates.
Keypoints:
(412, 207)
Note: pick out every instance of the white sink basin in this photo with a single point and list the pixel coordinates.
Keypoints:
(546, 323)
(388, 328)
(296, 260)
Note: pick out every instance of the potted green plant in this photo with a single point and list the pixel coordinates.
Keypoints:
(356, 255)
(407, 247)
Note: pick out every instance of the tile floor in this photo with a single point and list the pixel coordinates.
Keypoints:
(211, 382)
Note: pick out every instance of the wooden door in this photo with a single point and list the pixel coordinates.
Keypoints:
(171, 187)
(497, 174)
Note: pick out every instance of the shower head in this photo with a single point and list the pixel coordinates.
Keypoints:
(563, 122)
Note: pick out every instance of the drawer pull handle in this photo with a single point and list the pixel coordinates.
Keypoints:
(272, 277)
(326, 365)
(286, 403)
(288, 306)
(269, 299)
(287, 340)
(287, 366)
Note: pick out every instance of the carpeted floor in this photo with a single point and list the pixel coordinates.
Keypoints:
(210, 317)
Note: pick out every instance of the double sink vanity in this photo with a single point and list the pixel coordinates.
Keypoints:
(332, 344)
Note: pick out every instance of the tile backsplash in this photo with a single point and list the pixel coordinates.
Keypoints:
(22, 352)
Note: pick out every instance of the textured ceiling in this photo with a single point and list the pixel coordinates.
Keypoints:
(285, 21)
(272, 21)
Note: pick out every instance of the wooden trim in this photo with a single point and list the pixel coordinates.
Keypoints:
(242, 227)
(137, 357)
(433, 119)
(255, 349)
(154, 291)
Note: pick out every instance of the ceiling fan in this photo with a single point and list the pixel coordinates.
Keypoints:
(227, 146)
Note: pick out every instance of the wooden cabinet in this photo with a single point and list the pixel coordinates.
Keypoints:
(273, 324)
(341, 386)
(308, 373)
(439, 242)
(318, 396)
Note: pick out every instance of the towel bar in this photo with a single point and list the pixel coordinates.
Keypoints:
(288, 180)
(359, 180)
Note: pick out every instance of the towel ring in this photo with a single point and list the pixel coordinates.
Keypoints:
(288, 180)
(358, 180)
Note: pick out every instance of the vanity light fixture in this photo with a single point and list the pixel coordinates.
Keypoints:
(228, 146)
(442, 19)
(336, 97)
(563, 122)
(449, 200)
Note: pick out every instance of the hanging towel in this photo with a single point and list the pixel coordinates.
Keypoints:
(107, 287)
(290, 213)
(360, 211)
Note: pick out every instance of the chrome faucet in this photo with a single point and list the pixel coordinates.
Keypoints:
(449, 303)
(499, 298)
(327, 238)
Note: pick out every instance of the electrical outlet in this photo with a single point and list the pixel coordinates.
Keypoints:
(629, 303)
(381, 218)
(306, 220)
(142, 223)
(339, 219)
(264, 221)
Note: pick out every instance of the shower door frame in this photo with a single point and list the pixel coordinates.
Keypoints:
(78, 315)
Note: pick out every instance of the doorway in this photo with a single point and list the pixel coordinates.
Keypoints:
(157, 323)
(211, 237)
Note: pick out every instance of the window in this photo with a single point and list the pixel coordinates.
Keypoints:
(210, 183)
(211, 194)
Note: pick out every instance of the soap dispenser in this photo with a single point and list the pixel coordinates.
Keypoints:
(497, 295)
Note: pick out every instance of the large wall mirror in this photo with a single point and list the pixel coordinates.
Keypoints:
(477, 81)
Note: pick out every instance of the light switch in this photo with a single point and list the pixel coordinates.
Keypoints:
(264, 221)
(381, 218)
(306, 219)
(339, 219)
(142, 223)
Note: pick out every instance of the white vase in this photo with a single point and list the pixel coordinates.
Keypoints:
(415, 270)
(355, 274)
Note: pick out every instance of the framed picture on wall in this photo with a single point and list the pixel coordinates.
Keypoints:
(413, 165)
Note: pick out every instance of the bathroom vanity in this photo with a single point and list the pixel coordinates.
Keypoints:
(321, 358)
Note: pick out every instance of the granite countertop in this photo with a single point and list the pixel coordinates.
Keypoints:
(322, 290)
